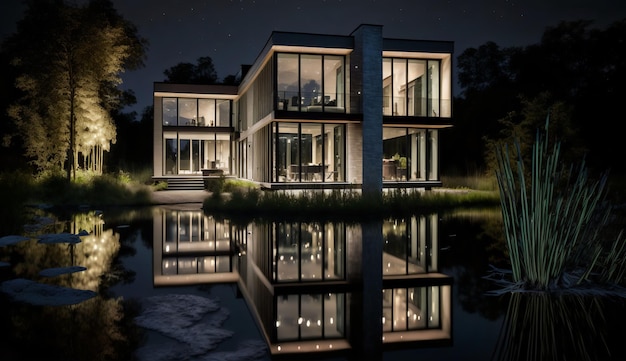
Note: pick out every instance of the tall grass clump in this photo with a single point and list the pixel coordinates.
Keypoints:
(89, 189)
(554, 217)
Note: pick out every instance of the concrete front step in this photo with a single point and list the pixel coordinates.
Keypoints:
(196, 183)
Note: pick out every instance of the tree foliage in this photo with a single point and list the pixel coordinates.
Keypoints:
(574, 71)
(203, 72)
(69, 59)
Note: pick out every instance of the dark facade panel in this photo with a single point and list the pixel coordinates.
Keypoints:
(196, 88)
(311, 40)
(426, 46)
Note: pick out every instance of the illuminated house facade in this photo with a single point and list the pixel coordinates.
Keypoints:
(314, 111)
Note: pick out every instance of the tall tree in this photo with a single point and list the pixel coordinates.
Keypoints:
(69, 60)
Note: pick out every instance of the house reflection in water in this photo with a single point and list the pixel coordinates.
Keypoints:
(307, 283)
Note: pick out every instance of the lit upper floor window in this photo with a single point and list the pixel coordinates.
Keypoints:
(411, 87)
(196, 112)
(310, 83)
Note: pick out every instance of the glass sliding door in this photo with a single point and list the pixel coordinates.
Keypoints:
(185, 156)
(337, 162)
(192, 155)
(287, 158)
(195, 156)
(396, 157)
(171, 156)
(418, 154)
(308, 152)
(433, 159)
(312, 148)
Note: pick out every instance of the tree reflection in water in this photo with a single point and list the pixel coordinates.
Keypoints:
(99, 328)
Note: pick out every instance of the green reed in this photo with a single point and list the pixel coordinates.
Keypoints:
(553, 217)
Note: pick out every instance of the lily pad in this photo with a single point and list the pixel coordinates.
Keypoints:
(40, 294)
(12, 239)
(53, 272)
(59, 238)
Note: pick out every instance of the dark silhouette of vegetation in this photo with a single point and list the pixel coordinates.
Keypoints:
(574, 71)
(133, 150)
(202, 72)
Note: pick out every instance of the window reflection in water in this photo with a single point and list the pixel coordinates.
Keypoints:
(310, 316)
(299, 277)
(408, 245)
(308, 251)
(412, 308)
(188, 233)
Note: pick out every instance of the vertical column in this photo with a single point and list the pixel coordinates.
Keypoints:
(157, 137)
(366, 97)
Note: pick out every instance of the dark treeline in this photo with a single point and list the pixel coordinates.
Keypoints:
(576, 73)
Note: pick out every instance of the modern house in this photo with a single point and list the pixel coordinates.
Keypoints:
(314, 111)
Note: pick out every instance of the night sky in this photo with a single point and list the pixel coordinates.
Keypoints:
(233, 32)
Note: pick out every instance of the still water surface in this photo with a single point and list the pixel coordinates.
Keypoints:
(174, 283)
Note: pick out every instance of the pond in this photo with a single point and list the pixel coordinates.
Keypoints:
(174, 283)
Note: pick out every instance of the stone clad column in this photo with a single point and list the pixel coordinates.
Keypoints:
(366, 96)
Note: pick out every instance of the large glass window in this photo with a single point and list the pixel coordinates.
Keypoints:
(411, 87)
(308, 152)
(433, 89)
(288, 81)
(223, 113)
(187, 111)
(416, 88)
(396, 156)
(190, 155)
(399, 93)
(206, 112)
(310, 83)
(196, 112)
(410, 154)
(334, 93)
(170, 111)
